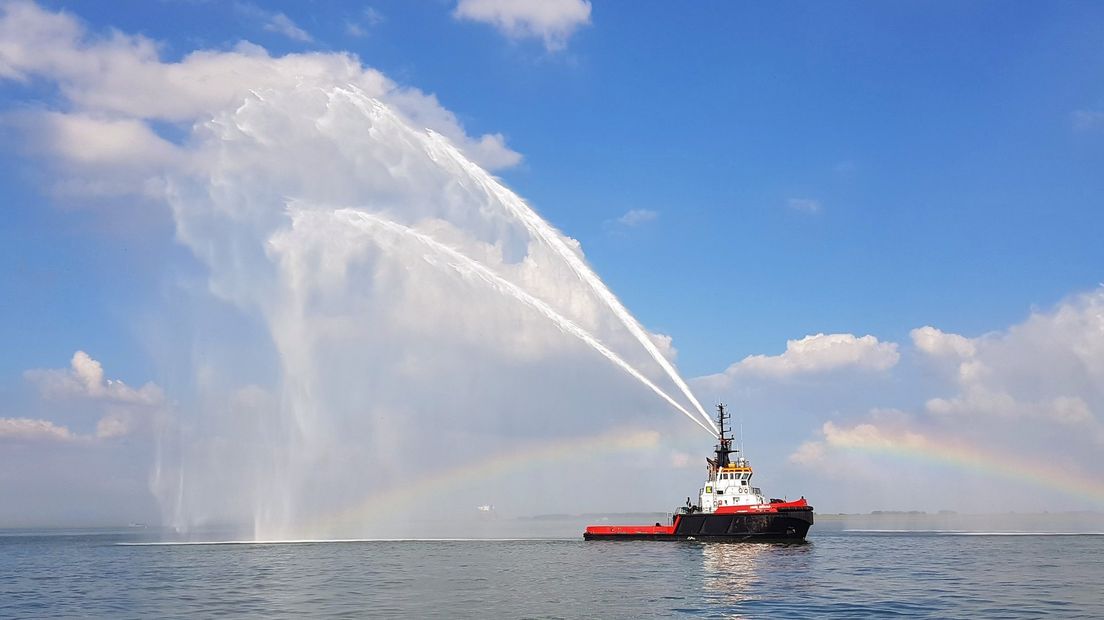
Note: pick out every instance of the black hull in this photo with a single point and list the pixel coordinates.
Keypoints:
(787, 525)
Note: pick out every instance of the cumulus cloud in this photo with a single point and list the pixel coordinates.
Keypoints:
(817, 353)
(125, 409)
(552, 21)
(35, 430)
(933, 341)
(1033, 389)
(870, 436)
(121, 83)
(864, 435)
(85, 379)
(1049, 367)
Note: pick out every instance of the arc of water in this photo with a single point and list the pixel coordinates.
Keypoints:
(537, 226)
(438, 146)
(469, 266)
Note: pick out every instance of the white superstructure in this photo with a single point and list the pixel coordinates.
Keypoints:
(729, 485)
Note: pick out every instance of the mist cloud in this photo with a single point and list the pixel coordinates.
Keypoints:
(1029, 393)
(370, 340)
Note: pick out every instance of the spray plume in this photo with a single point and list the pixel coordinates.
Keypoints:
(309, 363)
(468, 267)
(535, 224)
(370, 338)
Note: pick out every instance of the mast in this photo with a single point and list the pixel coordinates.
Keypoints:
(724, 442)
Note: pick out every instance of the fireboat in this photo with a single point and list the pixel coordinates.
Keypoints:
(729, 508)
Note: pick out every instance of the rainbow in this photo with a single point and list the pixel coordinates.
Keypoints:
(523, 457)
(969, 457)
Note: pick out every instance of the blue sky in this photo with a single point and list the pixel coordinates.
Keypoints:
(739, 175)
(940, 144)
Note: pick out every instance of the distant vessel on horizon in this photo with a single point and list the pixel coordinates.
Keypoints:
(728, 508)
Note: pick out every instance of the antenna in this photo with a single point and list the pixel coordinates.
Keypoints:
(741, 432)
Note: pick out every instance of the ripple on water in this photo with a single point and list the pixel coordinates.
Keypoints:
(849, 574)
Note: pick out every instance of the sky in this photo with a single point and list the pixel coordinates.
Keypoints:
(872, 229)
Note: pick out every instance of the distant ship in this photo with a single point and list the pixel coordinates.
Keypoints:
(729, 508)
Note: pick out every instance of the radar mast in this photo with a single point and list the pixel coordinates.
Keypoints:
(724, 441)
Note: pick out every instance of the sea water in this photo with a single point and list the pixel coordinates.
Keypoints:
(838, 573)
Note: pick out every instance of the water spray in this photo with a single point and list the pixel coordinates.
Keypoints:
(537, 226)
(439, 148)
(469, 267)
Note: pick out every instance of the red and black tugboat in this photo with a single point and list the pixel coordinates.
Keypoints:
(729, 508)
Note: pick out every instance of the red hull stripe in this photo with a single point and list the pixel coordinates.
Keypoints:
(634, 529)
(724, 510)
(630, 529)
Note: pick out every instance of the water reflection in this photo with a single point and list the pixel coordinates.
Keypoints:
(733, 573)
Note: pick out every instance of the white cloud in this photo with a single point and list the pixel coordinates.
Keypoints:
(282, 24)
(29, 429)
(84, 379)
(120, 83)
(1050, 367)
(552, 21)
(665, 344)
(935, 342)
(274, 21)
(104, 141)
(1033, 389)
(637, 217)
(870, 436)
(492, 153)
(805, 205)
(981, 401)
(818, 353)
(126, 409)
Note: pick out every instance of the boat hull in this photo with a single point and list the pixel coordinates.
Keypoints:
(790, 525)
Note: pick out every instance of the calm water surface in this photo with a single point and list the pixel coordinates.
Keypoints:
(838, 574)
